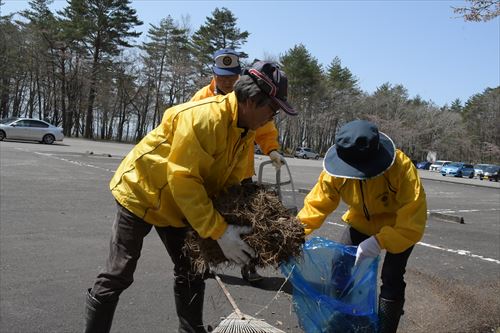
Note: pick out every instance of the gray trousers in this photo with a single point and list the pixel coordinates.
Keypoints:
(125, 249)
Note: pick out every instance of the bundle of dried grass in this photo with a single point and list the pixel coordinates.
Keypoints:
(276, 234)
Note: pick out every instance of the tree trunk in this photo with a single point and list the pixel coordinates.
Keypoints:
(31, 99)
(90, 112)
(158, 87)
(4, 103)
(89, 128)
(18, 94)
(39, 93)
(63, 94)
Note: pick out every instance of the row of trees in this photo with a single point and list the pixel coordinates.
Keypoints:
(78, 69)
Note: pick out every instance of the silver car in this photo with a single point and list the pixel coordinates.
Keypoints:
(304, 152)
(479, 170)
(30, 129)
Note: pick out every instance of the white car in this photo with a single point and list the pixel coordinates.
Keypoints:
(436, 166)
(30, 129)
(303, 152)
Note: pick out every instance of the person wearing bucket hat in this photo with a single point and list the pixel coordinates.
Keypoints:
(226, 64)
(167, 181)
(387, 207)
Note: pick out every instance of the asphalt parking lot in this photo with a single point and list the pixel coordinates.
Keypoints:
(55, 218)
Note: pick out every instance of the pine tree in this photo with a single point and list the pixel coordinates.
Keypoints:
(48, 63)
(218, 32)
(339, 77)
(304, 79)
(168, 43)
(303, 70)
(456, 106)
(102, 28)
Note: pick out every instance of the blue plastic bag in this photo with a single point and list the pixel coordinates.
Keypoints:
(330, 295)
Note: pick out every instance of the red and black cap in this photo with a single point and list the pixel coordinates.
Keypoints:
(273, 82)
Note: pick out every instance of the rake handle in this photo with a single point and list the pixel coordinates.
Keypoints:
(229, 297)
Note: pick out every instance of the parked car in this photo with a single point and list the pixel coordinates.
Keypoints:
(492, 173)
(30, 129)
(424, 165)
(304, 152)
(436, 166)
(479, 170)
(458, 169)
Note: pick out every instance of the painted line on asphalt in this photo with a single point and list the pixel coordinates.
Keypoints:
(448, 211)
(337, 224)
(72, 162)
(459, 252)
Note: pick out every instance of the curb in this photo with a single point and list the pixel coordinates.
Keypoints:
(447, 217)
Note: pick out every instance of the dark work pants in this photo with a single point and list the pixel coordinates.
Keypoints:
(125, 249)
(393, 270)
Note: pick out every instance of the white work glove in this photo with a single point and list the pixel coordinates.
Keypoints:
(368, 248)
(233, 247)
(277, 159)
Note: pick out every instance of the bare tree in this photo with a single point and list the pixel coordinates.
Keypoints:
(479, 10)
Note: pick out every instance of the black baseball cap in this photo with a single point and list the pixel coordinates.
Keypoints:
(273, 82)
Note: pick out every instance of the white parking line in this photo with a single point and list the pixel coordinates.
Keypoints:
(343, 225)
(459, 252)
(448, 211)
(73, 162)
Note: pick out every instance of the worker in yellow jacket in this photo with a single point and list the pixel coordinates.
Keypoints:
(226, 69)
(387, 206)
(167, 182)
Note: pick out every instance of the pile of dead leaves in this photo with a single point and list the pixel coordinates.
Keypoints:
(276, 234)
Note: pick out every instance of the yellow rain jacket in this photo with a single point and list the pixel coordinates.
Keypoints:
(391, 206)
(265, 136)
(205, 92)
(172, 174)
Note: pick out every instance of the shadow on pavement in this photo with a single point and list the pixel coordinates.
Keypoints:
(267, 283)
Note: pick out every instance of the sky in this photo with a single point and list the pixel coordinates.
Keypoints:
(421, 44)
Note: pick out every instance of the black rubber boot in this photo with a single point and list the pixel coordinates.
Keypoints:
(389, 313)
(189, 298)
(98, 316)
(249, 274)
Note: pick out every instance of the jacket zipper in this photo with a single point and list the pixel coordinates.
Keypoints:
(365, 210)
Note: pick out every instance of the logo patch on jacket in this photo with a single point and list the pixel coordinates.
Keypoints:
(384, 198)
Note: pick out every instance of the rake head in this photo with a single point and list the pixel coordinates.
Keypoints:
(237, 323)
